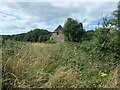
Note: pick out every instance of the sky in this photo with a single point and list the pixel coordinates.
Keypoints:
(20, 16)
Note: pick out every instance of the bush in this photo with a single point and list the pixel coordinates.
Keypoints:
(106, 41)
(51, 40)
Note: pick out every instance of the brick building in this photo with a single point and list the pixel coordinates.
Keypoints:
(58, 35)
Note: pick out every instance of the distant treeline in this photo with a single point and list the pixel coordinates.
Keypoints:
(36, 35)
(40, 35)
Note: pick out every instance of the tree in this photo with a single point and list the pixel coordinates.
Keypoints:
(89, 35)
(116, 19)
(36, 35)
(116, 22)
(73, 30)
(106, 39)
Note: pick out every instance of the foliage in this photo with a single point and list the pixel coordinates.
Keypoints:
(51, 40)
(73, 30)
(10, 49)
(116, 19)
(37, 35)
(88, 35)
(58, 65)
(106, 39)
(90, 63)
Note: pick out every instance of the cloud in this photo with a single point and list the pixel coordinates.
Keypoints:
(18, 17)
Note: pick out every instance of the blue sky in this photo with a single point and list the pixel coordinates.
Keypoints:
(20, 17)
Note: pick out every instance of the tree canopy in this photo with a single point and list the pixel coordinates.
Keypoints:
(116, 17)
(73, 30)
(36, 35)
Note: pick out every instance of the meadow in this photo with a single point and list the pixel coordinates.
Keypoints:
(45, 65)
(72, 56)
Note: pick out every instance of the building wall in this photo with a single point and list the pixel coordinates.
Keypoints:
(59, 37)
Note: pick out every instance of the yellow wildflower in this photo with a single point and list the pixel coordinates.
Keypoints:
(103, 74)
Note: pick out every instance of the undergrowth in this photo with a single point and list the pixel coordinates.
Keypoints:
(68, 65)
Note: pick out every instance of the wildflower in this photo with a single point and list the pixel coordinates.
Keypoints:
(103, 74)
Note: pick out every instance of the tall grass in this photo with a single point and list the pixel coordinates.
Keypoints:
(57, 65)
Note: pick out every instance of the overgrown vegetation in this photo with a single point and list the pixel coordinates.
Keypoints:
(56, 65)
(78, 63)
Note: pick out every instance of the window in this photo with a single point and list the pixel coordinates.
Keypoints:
(57, 33)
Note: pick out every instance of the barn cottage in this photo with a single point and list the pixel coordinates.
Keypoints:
(58, 34)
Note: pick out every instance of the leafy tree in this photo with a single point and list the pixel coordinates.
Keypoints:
(116, 19)
(32, 36)
(106, 39)
(43, 38)
(73, 30)
(88, 35)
